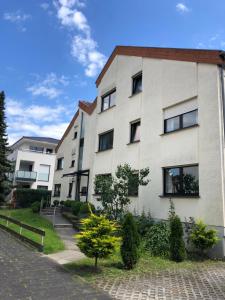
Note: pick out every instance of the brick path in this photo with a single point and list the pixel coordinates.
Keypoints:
(206, 282)
(26, 275)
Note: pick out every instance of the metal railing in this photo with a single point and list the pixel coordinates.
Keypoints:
(26, 175)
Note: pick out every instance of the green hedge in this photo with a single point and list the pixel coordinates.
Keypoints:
(25, 197)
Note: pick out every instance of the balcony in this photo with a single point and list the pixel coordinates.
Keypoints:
(27, 176)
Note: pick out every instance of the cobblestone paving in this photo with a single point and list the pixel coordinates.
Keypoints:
(26, 275)
(207, 282)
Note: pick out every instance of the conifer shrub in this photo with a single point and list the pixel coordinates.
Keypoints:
(97, 237)
(35, 207)
(130, 242)
(177, 246)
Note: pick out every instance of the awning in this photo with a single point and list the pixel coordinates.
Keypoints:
(77, 173)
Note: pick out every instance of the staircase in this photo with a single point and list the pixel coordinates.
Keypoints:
(53, 214)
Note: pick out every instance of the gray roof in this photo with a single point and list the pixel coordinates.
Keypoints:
(42, 139)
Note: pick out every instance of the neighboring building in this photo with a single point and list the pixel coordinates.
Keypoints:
(164, 109)
(34, 161)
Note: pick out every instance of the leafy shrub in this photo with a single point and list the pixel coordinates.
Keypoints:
(35, 207)
(97, 238)
(61, 203)
(157, 239)
(85, 208)
(68, 203)
(202, 238)
(130, 242)
(56, 202)
(25, 197)
(177, 246)
(76, 205)
(144, 223)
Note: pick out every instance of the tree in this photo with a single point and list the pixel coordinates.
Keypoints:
(97, 238)
(114, 191)
(177, 246)
(5, 166)
(130, 242)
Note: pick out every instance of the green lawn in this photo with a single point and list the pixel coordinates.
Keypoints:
(52, 242)
(113, 268)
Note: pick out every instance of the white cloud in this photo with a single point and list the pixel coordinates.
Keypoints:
(216, 41)
(44, 5)
(182, 8)
(50, 87)
(83, 46)
(18, 18)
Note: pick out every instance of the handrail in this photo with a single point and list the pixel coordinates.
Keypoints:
(25, 226)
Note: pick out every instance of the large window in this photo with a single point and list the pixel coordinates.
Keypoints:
(105, 141)
(181, 121)
(135, 131)
(60, 163)
(137, 84)
(43, 174)
(57, 190)
(108, 100)
(105, 181)
(181, 181)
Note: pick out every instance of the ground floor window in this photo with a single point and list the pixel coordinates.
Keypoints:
(70, 190)
(57, 190)
(42, 187)
(182, 180)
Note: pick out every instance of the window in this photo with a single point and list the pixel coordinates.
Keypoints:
(49, 151)
(72, 163)
(137, 84)
(84, 191)
(181, 181)
(105, 141)
(37, 149)
(60, 163)
(182, 121)
(42, 187)
(70, 190)
(104, 180)
(108, 100)
(57, 190)
(75, 135)
(43, 174)
(135, 131)
(133, 185)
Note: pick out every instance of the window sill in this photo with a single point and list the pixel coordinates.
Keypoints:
(59, 169)
(106, 109)
(135, 142)
(180, 129)
(133, 95)
(179, 196)
(99, 151)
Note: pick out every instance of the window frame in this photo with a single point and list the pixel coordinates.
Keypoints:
(96, 193)
(180, 167)
(99, 140)
(70, 190)
(134, 78)
(132, 124)
(181, 125)
(57, 194)
(72, 163)
(108, 94)
(134, 194)
(57, 166)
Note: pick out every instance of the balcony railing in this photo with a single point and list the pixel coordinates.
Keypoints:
(26, 176)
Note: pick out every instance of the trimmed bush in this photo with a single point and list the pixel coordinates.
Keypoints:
(68, 203)
(35, 207)
(25, 197)
(130, 242)
(177, 246)
(202, 238)
(56, 202)
(144, 223)
(85, 208)
(157, 239)
(61, 203)
(76, 205)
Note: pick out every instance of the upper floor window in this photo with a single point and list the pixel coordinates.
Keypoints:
(135, 131)
(181, 181)
(60, 163)
(137, 84)
(105, 141)
(181, 121)
(75, 135)
(37, 149)
(108, 100)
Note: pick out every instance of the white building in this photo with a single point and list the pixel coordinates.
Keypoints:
(164, 109)
(34, 161)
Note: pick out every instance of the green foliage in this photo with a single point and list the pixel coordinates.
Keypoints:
(113, 191)
(144, 223)
(61, 203)
(97, 238)
(130, 242)
(68, 203)
(25, 197)
(35, 207)
(56, 202)
(76, 205)
(177, 246)
(202, 238)
(86, 208)
(157, 239)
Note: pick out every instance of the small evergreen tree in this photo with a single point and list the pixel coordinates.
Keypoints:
(97, 239)
(5, 166)
(177, 246)
(130, 242)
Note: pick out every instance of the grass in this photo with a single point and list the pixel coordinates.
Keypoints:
(52, 242)
(112, 267)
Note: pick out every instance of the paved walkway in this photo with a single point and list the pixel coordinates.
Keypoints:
(200, 283)
(26, 275)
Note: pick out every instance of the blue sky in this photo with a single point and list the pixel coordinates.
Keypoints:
(52, 51)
